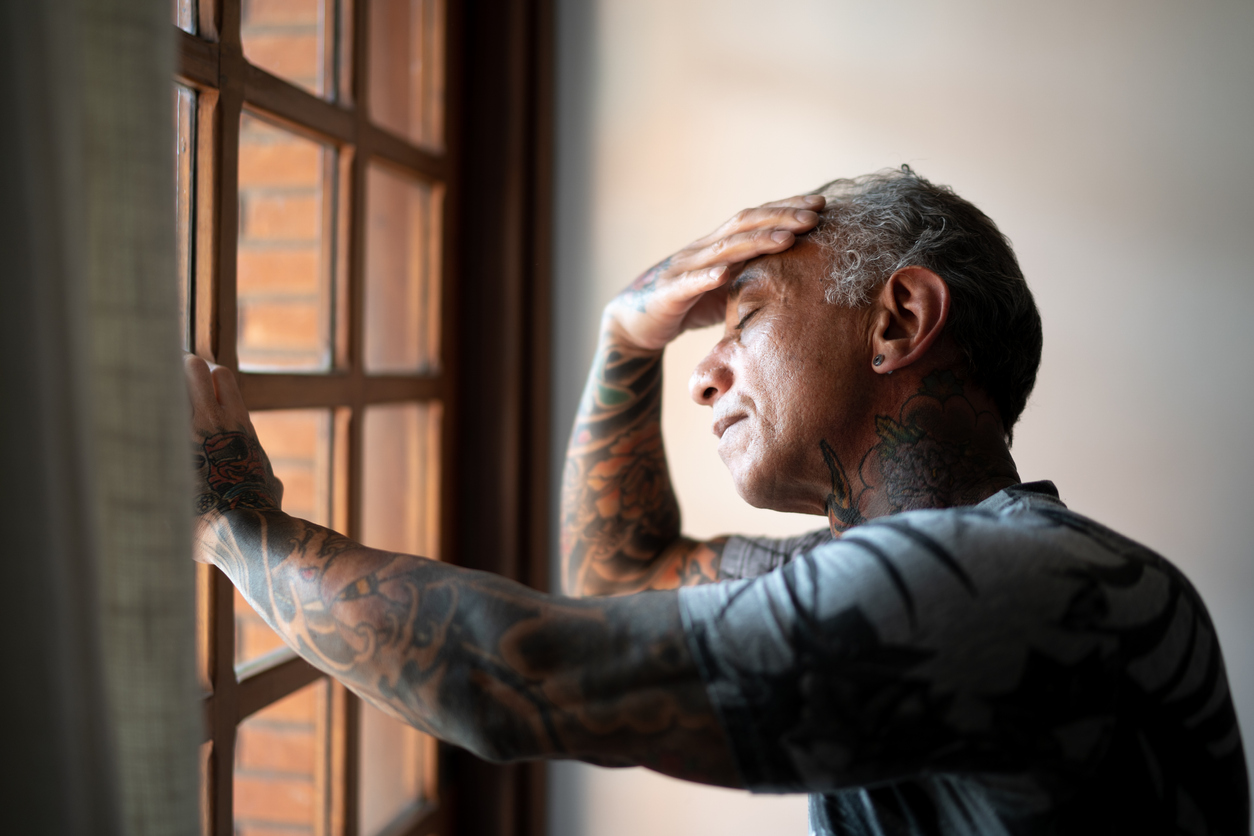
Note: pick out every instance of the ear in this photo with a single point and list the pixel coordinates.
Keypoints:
(912, 309)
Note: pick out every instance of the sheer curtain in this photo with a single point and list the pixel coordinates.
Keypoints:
(100, 706)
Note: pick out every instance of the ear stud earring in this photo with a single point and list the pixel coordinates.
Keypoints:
(879, 358)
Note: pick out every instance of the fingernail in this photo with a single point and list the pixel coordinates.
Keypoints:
(814, 199)
(806, 216)
(779, 236)
(715, 272)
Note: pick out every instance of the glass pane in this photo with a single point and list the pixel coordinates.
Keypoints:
(184, 196)
(400, 478)
(185, 15)
(281, 766)
(407, 68)
(289, 39)
(397, 769)
(286, 190)
(298, 442)
(402, 272)
(400, 512)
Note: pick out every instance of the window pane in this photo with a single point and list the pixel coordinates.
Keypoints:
(400, 512)
(281, 766)
(290, 39)
(402, 272)
(286, 196)
(184, 196)
(400, 478)
(185, 15)
(407, 68)
(397, 769)
(299, 444)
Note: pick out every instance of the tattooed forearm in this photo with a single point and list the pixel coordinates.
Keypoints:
(478, 660)
(620, 518)
(472, 658)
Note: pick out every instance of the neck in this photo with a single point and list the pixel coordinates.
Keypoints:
(945, 447)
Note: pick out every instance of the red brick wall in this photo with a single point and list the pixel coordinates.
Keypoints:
(277, 763)
(284, 302)
(283, 37)
(283, 277)
(284, 323)
(278, 758)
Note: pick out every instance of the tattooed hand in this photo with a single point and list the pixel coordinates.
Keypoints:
(686, 290)
(232, 470)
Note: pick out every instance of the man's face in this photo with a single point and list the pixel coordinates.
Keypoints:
(790, 370)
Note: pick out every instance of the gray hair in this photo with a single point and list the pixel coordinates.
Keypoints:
(876, 224)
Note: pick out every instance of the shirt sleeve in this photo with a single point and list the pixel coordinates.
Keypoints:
(899, 648)
(750, 557)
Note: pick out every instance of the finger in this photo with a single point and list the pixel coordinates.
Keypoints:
(795, 219)
(199, 386)
(813, 202)
(740, 247)
(229, 395)
(703, 281)
(692, 284)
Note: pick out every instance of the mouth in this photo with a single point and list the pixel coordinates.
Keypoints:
(721, 425)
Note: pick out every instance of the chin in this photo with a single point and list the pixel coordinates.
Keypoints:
(761, 491)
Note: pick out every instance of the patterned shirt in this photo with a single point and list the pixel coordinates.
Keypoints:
(1010, 667)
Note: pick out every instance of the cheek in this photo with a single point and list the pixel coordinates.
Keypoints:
(791, 386)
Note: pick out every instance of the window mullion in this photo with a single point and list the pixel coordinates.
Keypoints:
(225, 699)
(346, 770)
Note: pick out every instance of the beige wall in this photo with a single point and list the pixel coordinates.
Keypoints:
(1109, 140)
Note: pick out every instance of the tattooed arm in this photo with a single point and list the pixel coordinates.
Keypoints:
(620, 519)
(470, 657)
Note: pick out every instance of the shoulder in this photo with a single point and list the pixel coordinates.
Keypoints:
(1021, 543)
(1025, 530)
(750, 557)
(1018, 566)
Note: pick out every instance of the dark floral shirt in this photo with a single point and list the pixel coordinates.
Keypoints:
(1010, 667)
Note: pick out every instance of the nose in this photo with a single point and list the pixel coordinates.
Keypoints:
(711, 379)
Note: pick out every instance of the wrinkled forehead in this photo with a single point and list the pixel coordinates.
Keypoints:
(803, 262)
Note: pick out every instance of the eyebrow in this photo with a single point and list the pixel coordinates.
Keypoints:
(748, 277)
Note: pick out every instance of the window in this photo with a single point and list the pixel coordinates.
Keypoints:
(313, 187)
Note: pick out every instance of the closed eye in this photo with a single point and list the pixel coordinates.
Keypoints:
(746, 318)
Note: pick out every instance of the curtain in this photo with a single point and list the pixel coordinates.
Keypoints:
(100, 706)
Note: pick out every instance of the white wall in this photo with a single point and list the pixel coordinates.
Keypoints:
(1111, 142)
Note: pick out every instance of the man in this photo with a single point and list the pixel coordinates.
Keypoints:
(956, 653)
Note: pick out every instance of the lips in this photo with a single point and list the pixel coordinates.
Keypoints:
(721, 425)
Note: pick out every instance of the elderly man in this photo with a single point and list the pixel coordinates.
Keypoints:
(956, 652)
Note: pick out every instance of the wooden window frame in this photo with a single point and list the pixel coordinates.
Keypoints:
(493, 378)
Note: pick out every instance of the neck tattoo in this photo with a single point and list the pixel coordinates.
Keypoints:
(939, 452)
